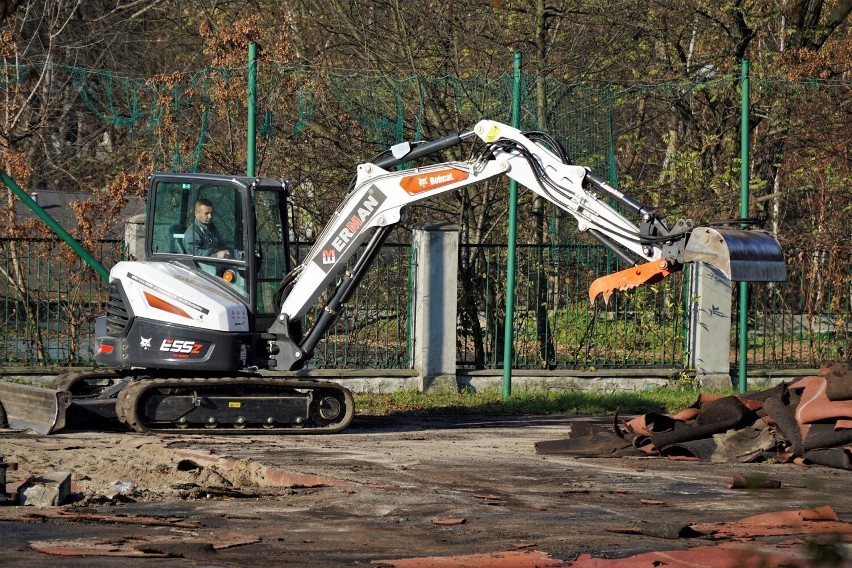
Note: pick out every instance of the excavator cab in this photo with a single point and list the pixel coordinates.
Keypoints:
(243, 248)
(202, 298)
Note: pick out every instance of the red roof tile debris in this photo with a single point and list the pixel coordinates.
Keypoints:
(808, 422)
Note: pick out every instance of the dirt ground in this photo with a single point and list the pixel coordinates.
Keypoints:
(407, 491)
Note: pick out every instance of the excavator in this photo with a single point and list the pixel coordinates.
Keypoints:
(189, 329)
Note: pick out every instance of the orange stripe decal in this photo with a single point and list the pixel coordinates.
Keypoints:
(419, 183)
(161, 304)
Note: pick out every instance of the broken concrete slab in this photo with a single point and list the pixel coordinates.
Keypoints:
(47, 490)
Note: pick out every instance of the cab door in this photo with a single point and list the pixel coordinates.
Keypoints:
(271, 250)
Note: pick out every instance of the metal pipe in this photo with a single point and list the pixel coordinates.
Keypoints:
(344, 290)
(422, 150)
(616, 194)
(508, 321)
(252, 105)
(742, 383)
(612, 246)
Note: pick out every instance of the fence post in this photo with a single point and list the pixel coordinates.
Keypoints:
(436, 253)
(134, 237)
(508, 330)
(54, 226)
(742, 362)
(710, 326)
(252, 105)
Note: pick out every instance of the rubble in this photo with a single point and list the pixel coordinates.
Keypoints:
(4, 497)
(142, 547)
(807, 422)
(46, 490)
(343, 500)
(734, 545)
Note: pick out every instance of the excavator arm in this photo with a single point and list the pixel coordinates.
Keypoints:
(380, 196)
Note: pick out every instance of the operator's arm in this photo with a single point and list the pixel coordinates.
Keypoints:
(221, 249)
(196, 243)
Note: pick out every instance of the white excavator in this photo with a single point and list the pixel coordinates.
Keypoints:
(213, 302)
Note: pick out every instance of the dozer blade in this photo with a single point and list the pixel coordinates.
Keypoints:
(39, 409)
(743, 256)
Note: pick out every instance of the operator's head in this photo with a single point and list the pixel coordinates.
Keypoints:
(204, 211)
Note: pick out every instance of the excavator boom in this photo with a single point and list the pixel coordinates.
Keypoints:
(380, 196)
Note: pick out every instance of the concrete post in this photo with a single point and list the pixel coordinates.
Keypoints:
(710, 326)
(134, 237)
(436, 253)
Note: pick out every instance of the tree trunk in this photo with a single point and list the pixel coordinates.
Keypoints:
(547, 351)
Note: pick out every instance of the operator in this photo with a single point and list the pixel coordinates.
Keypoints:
(202, 238)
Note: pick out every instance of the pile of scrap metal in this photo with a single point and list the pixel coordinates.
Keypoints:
(808, 421)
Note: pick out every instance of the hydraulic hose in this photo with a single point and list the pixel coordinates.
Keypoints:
(423, 149)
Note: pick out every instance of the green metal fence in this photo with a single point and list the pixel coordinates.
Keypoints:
(800, 323)
(804, 321)
(49, 300)
(373, 331)
(189, 121)
(556, 326)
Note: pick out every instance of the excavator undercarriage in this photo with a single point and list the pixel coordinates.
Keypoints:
(240, 404)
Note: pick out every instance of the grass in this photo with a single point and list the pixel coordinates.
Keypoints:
(23, 381)
(490, 402)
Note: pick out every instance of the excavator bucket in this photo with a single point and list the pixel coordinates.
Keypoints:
(42, 410)
(743, 256)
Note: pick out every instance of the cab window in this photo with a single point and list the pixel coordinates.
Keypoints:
(203, 221)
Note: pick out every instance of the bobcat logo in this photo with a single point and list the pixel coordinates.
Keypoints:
(145, 343)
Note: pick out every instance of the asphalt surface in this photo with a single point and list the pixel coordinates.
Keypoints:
(450, 491)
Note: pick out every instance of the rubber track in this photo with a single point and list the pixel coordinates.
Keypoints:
(67, 381)
(129, 397)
